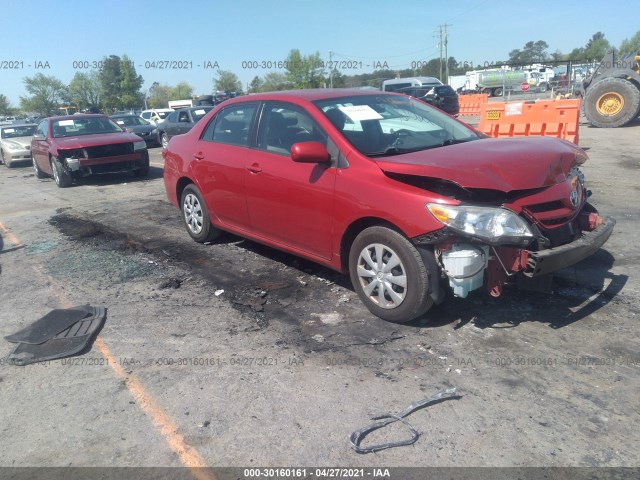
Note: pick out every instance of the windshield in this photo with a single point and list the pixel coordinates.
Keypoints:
(384, 125)
(130, 121)
(18, 131)
(84, 126)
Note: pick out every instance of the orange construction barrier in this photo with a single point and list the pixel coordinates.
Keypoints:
(548, 118)
(470, 104)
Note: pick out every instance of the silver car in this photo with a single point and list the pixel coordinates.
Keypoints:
(15, 143)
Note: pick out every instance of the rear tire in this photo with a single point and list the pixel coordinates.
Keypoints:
(612, 102)
(196, 216)
(60, 175)
(164, 140)
(389, 275)
(497, 92)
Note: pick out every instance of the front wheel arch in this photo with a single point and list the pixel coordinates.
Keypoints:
(390, 274)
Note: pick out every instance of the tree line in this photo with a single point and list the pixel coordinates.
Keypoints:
(116, 85)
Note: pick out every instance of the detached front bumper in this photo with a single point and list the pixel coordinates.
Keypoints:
(554, 259)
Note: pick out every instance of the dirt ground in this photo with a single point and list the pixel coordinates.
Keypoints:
(236, 355)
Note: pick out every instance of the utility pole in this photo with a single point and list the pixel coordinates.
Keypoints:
(446, 54)
(443, 43)
(440, 44)
(331, 70)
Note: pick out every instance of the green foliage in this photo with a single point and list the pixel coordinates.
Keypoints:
(130, 84)
(594, 50)
(5, 106)
(181, 91)
(161, 94)
(227, 81)
(631, 45)
(533, 52)
(85, 90)
(305, 71)
(120, 84)
(274, 81)
(256, 85)
(47, 93)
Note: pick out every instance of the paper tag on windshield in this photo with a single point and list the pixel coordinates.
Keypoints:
(357, 113)
(199, 112)
(9, 130)
(65, 123)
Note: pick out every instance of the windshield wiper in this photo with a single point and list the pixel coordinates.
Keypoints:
(393, 151)
(453, 141)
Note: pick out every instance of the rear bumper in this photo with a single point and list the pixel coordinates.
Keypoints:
(554, 259)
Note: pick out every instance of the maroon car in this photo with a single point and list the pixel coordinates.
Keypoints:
(410, 202)
(74, 146)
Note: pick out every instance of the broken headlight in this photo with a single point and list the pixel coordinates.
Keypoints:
(495, 226)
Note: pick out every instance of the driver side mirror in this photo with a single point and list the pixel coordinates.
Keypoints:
(310, 152)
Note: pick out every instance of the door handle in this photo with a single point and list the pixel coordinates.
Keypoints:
(255, 168)
(198, 156)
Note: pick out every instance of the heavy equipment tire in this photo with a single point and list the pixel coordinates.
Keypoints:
(612, 102)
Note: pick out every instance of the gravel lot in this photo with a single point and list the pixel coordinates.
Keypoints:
(237, 355)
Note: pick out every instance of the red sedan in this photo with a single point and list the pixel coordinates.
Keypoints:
(409, 201)
(74, 146)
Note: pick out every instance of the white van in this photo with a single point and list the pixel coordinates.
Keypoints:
(400, 83)
(155, 115)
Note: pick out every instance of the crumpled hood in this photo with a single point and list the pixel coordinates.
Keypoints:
(83, 141)
(504, 164)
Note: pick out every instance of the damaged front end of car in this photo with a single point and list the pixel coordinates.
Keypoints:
(108, 158)
(491, 239)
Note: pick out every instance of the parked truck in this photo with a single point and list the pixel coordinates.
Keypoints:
(496, 82)
(192, 102)
(611, 94)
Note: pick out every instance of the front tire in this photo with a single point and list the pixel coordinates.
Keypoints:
(36, 170)
(389, 275)
(164, 140)
(5, 161)
(196, 216)
(143, 170)
(60, 175)
(612, 102)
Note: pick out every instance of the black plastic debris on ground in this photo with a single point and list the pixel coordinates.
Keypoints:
(61, 333)
(355, 439)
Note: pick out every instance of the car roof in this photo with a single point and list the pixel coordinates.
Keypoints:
(11, 125)
(76, 116)
(310, 94)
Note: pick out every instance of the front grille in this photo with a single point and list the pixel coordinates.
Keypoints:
(544, 207)
(114, 150)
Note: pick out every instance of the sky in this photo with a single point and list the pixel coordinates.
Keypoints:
(243, 36)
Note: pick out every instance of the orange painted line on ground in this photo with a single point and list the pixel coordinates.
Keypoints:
(12, 238)
(169, 430)
(188, 455)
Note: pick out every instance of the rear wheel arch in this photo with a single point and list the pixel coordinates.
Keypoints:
(181, 184)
